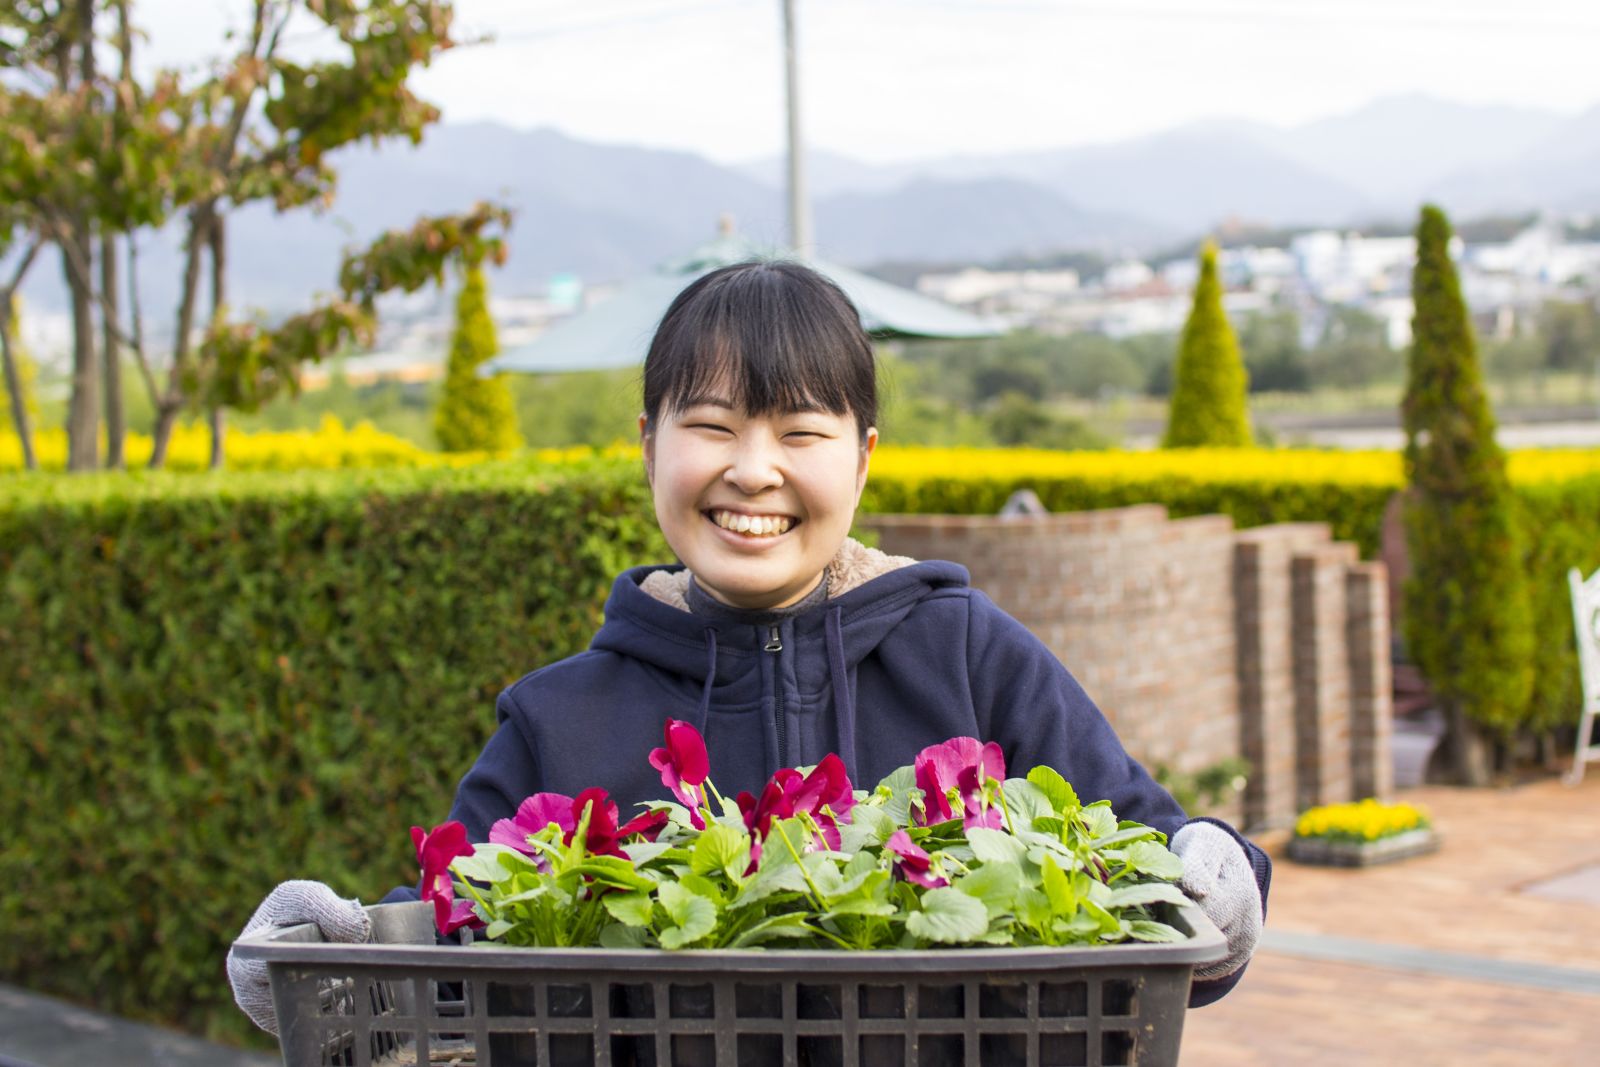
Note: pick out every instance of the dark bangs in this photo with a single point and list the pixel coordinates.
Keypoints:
(768, 337)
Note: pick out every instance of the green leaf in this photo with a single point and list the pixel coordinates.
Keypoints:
(996, 846)
(497, 929)
(612, 871)
(484, 865)
(1099, 820)
(693, 914)
(1058, 886)
(1033, 908)
(1146, 893)
(1062, 797)
(642, 852)
(869, 826)
(616, 935)
(788, 925)
(948, 917)
(1150, 930)
(1125, 834)
(721, 849)
(1158, 861)
(1025, 802)
(901, 786)
(996, 884)
(630, 909)
(768, 881)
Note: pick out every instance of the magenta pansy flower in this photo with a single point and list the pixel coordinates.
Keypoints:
(789, 793)
(914, 863)
(683, 765)
(533, 815)
(962, 764)
(604, 835)
(436, 848)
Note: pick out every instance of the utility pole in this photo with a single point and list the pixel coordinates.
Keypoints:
(799, 208)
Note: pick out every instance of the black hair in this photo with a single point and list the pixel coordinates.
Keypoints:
(777, 334)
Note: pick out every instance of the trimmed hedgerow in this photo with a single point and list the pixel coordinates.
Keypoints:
(214, 686)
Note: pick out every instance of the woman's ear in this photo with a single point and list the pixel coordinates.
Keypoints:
(647, 446)
(869, 442)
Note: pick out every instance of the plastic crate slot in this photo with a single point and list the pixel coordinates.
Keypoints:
(941, 1050)
(571, 1050)
(818, 1002)
(569, 1001)
(694, 1050)
(632, 1050)
(879, 1049)
(759, 1050)
(691, 1001)
(1063, 1050)
(882, 1002)
(1003, 1050)
(1119, 997)
(1007, 1001)
(941, 1002)
(819, 1050)
(1064, 1000)
(632, 1001)
(514, 1048)
(758, 1002)
(1117, 1048)
(503, 999)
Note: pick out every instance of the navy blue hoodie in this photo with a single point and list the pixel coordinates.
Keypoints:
(907, 659)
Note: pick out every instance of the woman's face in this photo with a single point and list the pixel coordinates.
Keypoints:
(756, 505)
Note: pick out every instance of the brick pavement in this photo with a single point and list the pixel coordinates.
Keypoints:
(1466, 899)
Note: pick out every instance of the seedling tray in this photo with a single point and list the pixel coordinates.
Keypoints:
(402, 1000)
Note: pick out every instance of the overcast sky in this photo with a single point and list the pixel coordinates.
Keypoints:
(886, 80)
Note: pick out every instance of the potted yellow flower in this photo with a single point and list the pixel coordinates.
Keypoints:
(1361, 833)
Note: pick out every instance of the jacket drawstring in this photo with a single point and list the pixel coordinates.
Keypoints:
(843, 705)
(711, 677)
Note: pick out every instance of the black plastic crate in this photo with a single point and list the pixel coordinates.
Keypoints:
(402, 1000)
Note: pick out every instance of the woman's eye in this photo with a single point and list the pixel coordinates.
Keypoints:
(709, 426)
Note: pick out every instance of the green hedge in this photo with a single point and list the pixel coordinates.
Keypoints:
(213, 684)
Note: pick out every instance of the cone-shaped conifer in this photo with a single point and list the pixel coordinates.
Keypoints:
(474, 413)
(1208, 407)
(1468, 624)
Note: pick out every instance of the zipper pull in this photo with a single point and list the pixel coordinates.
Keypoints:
(774, 642)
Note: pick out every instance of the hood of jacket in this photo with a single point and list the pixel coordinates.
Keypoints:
(869, 593)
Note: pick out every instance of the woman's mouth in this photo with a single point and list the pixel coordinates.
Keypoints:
(751, 525)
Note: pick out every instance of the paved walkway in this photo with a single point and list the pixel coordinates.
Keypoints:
(1485, 953)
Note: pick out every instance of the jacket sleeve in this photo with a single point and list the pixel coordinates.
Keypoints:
(1029, 703)
(506, 771)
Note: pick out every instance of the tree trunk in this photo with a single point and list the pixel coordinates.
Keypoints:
(1471, 748)
(19, 405)
(83, 409)
(201, 217)
(219, 300)
(111, 352)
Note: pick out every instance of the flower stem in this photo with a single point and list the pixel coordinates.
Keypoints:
(816, 894)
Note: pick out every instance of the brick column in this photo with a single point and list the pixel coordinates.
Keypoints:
(1371, 687)
(1264, 621)
(1321, 674)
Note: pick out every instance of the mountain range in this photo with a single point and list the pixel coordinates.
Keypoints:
(607, 212)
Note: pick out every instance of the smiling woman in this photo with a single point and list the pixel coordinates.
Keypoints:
(786, 644)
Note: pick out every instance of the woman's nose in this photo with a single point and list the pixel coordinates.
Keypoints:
(756, 466)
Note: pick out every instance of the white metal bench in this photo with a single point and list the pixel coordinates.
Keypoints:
(1586, 621)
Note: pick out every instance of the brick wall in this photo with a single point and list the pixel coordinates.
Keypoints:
(1198, 641)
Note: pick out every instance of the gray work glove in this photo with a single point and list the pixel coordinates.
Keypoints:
(1217, 876)
(290, 904)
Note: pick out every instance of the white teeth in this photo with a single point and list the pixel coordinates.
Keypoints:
(754, 525)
